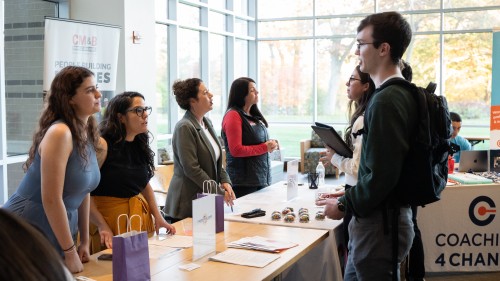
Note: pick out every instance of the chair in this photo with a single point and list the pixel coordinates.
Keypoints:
(161, 182)
(277, 165)
(310, 150)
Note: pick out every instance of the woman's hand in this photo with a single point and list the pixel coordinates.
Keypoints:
(73, 262)
(161, 222)
(272, 145)
(106, 235)
(229, 195)
(326, 157)
(83, 252)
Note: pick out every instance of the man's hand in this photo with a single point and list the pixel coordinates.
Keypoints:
(331, 208)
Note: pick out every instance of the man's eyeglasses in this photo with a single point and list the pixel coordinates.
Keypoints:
(353, 79)
(140, 110)
(362, 44)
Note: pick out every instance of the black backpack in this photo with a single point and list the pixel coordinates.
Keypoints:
(427, 162)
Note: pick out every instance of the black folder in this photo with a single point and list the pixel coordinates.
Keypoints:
(332, 139)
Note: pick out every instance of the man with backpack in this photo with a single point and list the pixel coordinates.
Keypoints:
(391, 120)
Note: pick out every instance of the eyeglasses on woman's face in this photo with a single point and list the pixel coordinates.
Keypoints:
(352, 79)
(140, 110)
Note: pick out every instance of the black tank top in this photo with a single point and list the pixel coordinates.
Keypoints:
(124, 173)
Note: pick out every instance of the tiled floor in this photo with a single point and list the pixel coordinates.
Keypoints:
(475, 276)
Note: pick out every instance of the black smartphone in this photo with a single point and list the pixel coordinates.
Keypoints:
(254, 213)
(105, 257)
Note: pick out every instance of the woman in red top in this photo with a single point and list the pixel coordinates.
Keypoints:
(244, 131)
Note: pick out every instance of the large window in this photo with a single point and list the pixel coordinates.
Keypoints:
(286, 77)
(211, 40)
(306, 53)
(162, 86)
(21, 93)
(217, 74)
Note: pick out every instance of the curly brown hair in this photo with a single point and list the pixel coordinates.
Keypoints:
(57, 107)
(186, 89)
(112, 129)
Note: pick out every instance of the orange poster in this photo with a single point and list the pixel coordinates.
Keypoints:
(495, 117)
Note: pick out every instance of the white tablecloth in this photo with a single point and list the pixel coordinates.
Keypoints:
(461, 232)
(322, 262)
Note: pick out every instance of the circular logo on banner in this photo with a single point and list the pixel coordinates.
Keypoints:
(482, 210)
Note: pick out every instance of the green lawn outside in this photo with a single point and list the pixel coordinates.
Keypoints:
(289, 136)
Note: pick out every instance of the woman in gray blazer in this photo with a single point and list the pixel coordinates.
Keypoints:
(197, 151)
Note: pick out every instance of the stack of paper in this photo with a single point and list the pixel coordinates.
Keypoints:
(173, 241)
(468, 178)
(261, 244)
(242, 257)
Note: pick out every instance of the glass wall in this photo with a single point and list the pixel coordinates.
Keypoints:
(162, 74)
(217, 74)
(306, 53)
(211, 40)
(21, 74)
(300, 52)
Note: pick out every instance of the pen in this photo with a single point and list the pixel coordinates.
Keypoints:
(232, 209)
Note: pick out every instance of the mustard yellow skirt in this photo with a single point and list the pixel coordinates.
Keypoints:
(111, 208)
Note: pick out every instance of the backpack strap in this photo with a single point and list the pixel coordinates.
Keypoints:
(358, 133)
(431, 88)
(394, 219)
(423, 120)
(395, 243)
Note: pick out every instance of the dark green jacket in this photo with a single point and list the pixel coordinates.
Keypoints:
(194, 162)
(390, 122)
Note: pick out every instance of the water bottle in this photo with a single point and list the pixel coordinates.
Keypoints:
(451, 164)
(320, 170)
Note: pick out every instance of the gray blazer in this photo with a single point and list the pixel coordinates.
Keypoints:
(194, 162)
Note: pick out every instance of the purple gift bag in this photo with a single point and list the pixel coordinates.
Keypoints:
(131, 254)
(210, 187)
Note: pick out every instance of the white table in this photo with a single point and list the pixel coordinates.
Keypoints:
(461, 232)
(323, 262)
(167, 267)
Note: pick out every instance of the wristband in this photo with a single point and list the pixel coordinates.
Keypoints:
(70, 249)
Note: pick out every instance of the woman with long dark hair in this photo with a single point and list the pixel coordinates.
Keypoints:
(244, 131)
(62, 169)
(127, 164)
(360, 89)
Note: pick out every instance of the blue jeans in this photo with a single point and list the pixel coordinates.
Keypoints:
(370, 250)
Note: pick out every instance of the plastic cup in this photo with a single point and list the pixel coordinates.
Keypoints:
(187, 226)
(313, 180)
(319, 194)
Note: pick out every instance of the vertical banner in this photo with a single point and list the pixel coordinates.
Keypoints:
(495, 104)
(91, 45)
